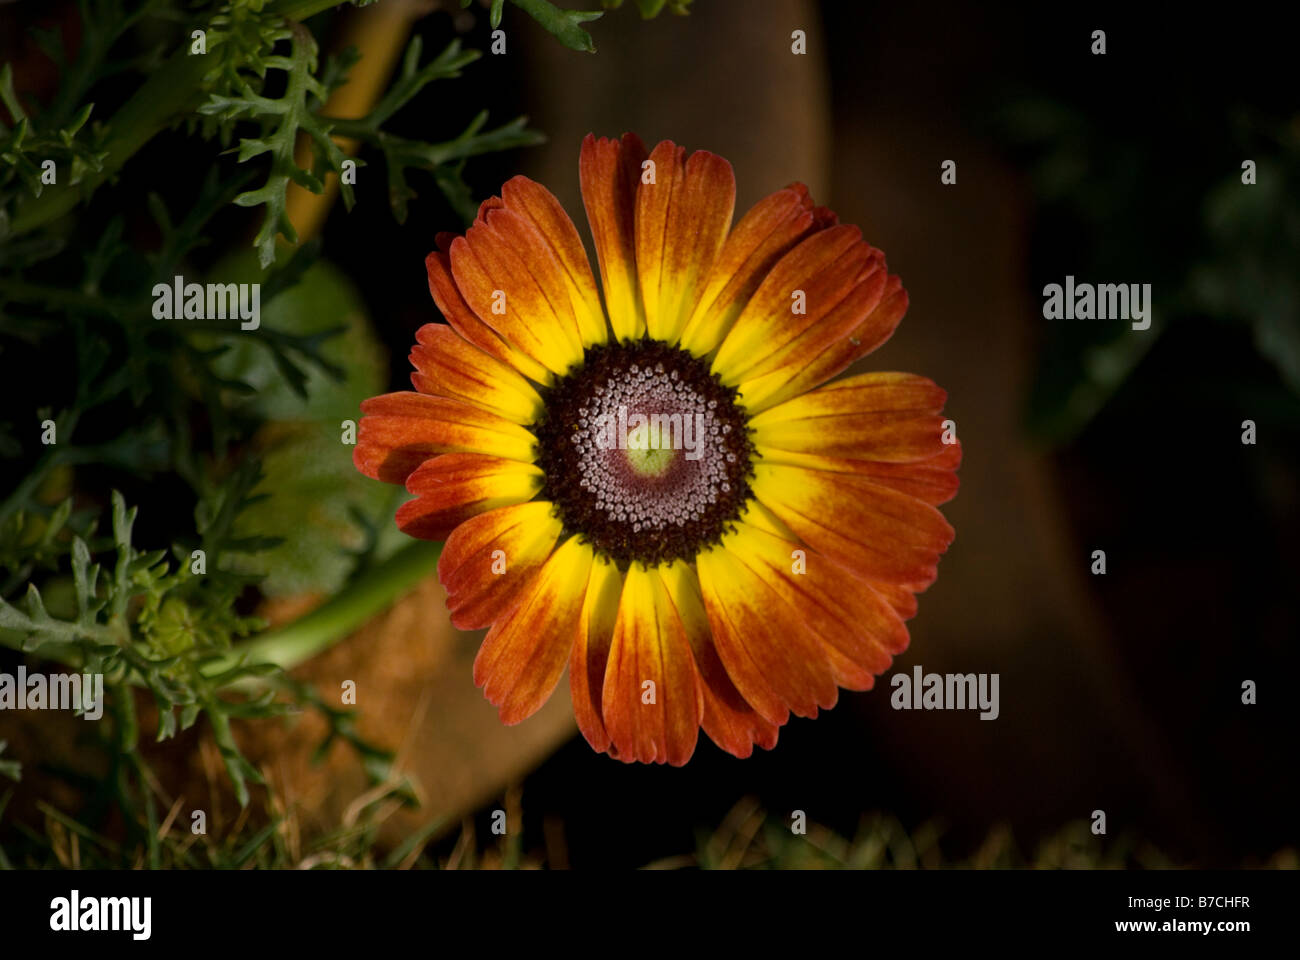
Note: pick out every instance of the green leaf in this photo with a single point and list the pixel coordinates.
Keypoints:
(564, 25)
(413, 78)
(282, 120)
(10, 768)
(652, 8)
(315, 492)
(8, 96)
(402, 155)
(310, 310)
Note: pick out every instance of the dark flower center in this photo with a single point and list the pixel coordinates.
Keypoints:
(645, 453)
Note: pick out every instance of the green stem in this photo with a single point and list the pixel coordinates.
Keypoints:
(299, 641)
(20, 291)
(355, 129)
(373, 591)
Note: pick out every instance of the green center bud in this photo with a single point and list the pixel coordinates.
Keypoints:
(644, 453)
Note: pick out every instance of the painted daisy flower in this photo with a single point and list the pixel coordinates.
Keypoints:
(659, 489)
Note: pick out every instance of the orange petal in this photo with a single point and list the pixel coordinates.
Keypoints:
(401, 430)
(449, 300)
(557, 231)
(824, 271)
(900, 598)
(824, 353)
(448, 365)
(591, 651)
(771, 228)
(757, 515)
(681, 221)
(652, 699)
(858, 626)
(490, 558)
(727, 718)
(877, 532)
(494, 266)
(890, 417)
(456, 486)
(775, 663)
(842, 320)
(524, 653)
(609, 171)
(933, 481)
(509, 236)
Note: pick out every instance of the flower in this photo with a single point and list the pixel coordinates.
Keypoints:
(661, 491)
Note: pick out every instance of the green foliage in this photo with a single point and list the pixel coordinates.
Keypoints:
(160, 401)
(750, 838)
(249, 44)
(1250, 272)
(564, 25)
(298, 109)
(241, 34)
(281, 121)
(59, 132)
(320, 507)
(652, 8)
(446, 161)
(152, 622)
(320, 305)
(28, 144)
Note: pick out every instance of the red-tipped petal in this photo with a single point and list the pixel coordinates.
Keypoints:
(560, 236)
(652, 700)
(609, 171)
(682, 218)
(877, 532)
(489, 559)
(771, 228)
(456, 486)
(399, 431)
(523, 655)
(807, 368)
(450, 301)
(828, 271)
(448, 365)
(728, 719)
(591, 651)
(858, 626)
(777, 666)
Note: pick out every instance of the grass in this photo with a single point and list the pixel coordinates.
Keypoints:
(270, 836)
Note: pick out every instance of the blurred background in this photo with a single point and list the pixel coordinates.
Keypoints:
(1120, 692)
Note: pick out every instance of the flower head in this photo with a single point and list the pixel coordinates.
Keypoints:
(659, 489)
